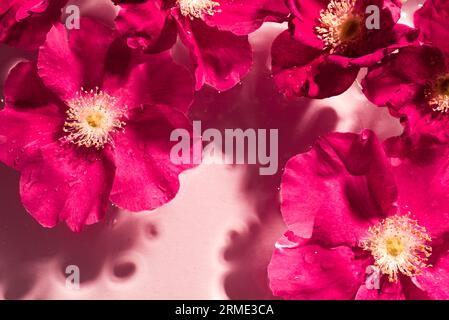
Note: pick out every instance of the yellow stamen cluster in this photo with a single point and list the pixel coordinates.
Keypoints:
(92, 117)
(398, 244)
(437, 94)
(339, 26)
(196, 8)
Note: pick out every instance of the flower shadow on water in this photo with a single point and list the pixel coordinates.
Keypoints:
(25, 245)
(256, 104)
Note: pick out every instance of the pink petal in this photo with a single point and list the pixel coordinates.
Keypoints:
(25, 24)
(65, 183)
(243, 17)
(379, 45)
(91, 45)
(67, 65)
(388, 291)
(432, 20)
(423, 182)
(312, 272)
(306, 14)
(435, 280)
(147, 26)
(146, 178)
(159, 80)
(30, 118)
(221, 58)
(395, 85)
(334, 192)
(300, 70)
(31, 6)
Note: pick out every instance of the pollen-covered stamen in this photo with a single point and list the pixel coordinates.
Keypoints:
(398, 245)
(92, 118)
(197, 8)
(437, 94)
(339, 26)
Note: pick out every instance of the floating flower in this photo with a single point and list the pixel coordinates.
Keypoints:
(215, 32)
(364, 224)
(91, 122)
(25, 23)
(330, 40)
(414, 83)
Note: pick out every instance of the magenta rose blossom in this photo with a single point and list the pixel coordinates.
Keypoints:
(414, 83)
(89, 123)
(215, 32)
(350, 209)
(330, 40)
(25, 23)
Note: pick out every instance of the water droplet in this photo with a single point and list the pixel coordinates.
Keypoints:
(3, 139)
(364, 136)
(309, 257)
(395, 162)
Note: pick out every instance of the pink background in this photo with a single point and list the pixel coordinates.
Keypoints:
(215, 239)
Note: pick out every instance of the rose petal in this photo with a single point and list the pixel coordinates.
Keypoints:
(395, 85)
(306, 14)
(313, 272)
(30, 118)
(435, 280)
(388, 291)
(334, 192)
(221, 58)
(432, 20)
(300, 70)
(147, 26)
(423, 181)
(243, 17)
(146, 178)
(66, 64)
(159, 80)
(65, 183)
(25, 24)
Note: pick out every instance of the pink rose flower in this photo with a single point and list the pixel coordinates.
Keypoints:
(90, 122)
(330, 40)
(414, 83)
(351, 209)
(215, 32)
(25, 23)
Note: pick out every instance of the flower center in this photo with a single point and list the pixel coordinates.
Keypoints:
(339, 26)
(92, 118)
(437, 94)
(395, 246)
(196, 8)
(398, 245)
